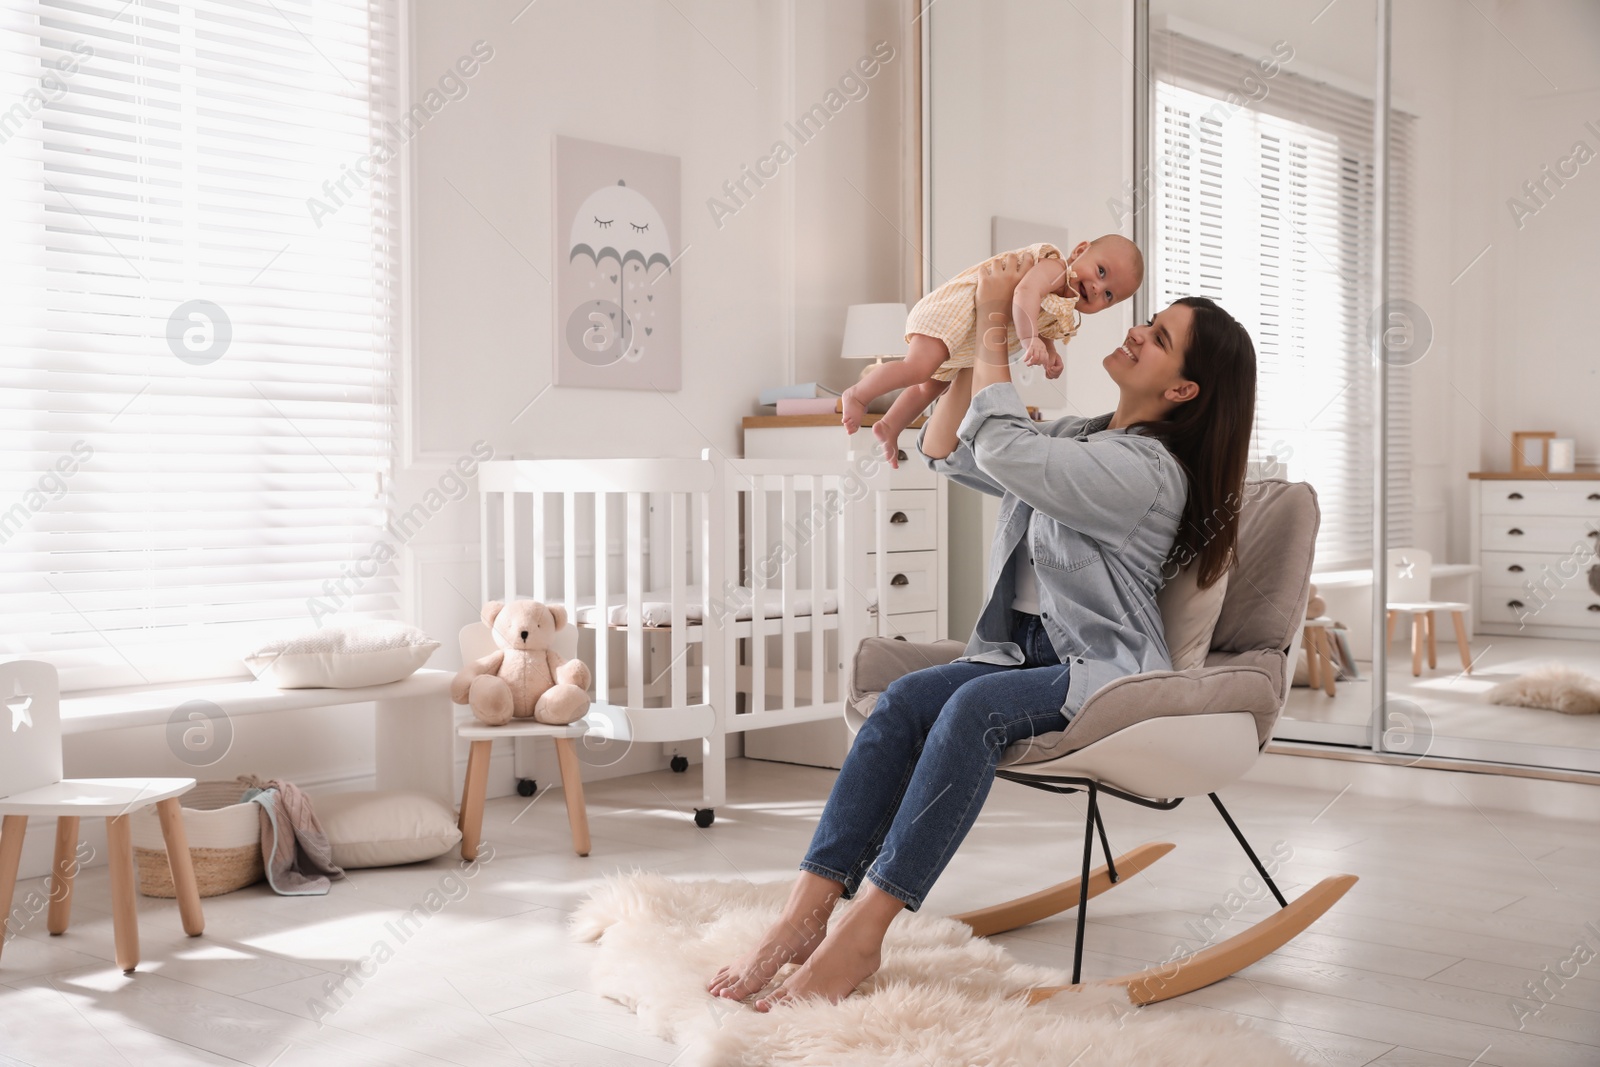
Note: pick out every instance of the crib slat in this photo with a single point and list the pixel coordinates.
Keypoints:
(756, 552)
(602, 598)
(485, 546)
(508, 521)
(819, 581)
(679, 667)
(569, 555)
(539, 560)
(789, 561)
(635, 579)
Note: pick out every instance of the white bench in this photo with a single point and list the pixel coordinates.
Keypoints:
(414, 726)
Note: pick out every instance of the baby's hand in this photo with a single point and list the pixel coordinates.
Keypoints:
(1053, 365)
(1037, 354)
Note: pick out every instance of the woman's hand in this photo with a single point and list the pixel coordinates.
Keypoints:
(997, 282)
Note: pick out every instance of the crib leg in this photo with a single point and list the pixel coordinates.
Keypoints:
(714, 777)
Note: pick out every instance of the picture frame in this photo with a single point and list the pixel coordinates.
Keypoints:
(1530, 451)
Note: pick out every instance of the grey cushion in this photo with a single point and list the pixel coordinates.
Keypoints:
(1246, 669)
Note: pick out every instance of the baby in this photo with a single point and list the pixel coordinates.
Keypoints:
(941, 331)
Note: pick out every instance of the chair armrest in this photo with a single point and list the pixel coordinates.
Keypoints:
(880, 660)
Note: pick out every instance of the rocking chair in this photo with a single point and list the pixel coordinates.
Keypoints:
(1157, 738)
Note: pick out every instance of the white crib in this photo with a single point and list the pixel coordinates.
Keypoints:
(711, 596)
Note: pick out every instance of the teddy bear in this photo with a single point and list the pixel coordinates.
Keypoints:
(524, 678)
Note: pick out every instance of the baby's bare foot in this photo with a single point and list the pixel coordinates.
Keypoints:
(853, 410)
(889, 438)
(786, 941)
(840, 964)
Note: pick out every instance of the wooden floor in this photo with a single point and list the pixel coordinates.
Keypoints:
(1424, 964)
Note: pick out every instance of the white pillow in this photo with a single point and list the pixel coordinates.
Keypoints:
(342, 657)
(1189, 616)
(384, 829)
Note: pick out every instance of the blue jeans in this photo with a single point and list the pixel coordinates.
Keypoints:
(920, 768)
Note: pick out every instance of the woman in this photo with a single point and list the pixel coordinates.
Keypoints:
(1093, 513)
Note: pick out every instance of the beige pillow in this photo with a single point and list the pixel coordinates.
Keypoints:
(1189, 616)
(384, 829)
(342, 657)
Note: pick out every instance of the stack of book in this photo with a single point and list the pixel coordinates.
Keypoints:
(812, 398)
(807, 398)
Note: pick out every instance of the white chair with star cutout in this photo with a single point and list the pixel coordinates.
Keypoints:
(30, 778)
(1411, 593)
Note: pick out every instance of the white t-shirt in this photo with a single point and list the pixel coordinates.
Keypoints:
(1026, 598)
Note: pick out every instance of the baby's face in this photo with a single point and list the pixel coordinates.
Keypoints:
(1107, 274)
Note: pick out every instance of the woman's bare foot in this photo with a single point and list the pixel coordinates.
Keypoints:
(851, 953)
(792, 939)
(888, 435)
(832, 973)
(853, 410)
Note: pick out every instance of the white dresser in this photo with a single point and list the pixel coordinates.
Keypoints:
(914, 606)
(1536, 539)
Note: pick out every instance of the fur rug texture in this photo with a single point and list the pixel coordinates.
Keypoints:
(1554, 687)
(942, 999)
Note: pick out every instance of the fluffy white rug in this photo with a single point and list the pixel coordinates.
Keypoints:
(1554, 687)
(942, 999)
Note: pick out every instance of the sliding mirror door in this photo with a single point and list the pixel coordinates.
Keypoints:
(1259, 193)
(1489, 336)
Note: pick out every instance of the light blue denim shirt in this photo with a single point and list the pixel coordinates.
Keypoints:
(1100, 510)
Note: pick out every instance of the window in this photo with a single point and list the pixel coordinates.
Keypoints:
(199, 232)
(1262, 200)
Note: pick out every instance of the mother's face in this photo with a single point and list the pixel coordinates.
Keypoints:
(1148, 365)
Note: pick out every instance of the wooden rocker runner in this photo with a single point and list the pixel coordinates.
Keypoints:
(1155, 739)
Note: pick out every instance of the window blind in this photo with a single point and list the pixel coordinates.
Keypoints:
(197, 368)
(1268, 209)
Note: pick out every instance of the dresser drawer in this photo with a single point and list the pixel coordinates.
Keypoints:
(913, 518)
(1536, 497)
(1512, 569)
(913, 626)
(912, 473)
(913, 582)
(1573, 605)
(1537, 533)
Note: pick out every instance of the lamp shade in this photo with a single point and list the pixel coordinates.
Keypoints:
(873, 331)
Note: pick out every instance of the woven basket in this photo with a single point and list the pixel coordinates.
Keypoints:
(224, 842)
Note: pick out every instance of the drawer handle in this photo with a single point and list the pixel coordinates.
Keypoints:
(1594, 607)
(1594, 533)
(1515, 568)
(899, 637)
(1514, 532)
(1594, 496)
(1514, 604)
(1513, 496)
(899, 579)
(900, 453)
(898, 518)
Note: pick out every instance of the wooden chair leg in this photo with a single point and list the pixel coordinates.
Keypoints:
(572, 786)
(12, 830)
(124, 910)
(182, 866)
(62, 873)
(1329, 672)
(1462, 643)
(1392, 616)
(1313, 667)
(1433, 642)
(472, 796)
(1416, 644)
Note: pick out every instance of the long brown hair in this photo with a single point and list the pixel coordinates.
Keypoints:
(1210, 438)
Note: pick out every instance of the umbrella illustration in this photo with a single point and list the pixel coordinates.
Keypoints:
(619, 223)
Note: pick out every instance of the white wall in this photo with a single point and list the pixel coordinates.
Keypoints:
(763, 294)
(1032, 112)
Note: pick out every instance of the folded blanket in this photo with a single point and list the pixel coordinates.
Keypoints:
(296, 852)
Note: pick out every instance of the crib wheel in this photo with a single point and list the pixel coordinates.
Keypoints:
(703, 817)
(680, 764)
(526, 787)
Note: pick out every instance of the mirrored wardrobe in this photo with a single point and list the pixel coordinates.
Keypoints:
(1400, 199)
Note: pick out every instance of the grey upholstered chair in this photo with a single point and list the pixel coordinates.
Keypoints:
(1159, 737)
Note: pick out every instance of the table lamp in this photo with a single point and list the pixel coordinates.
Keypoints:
(873, 331)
